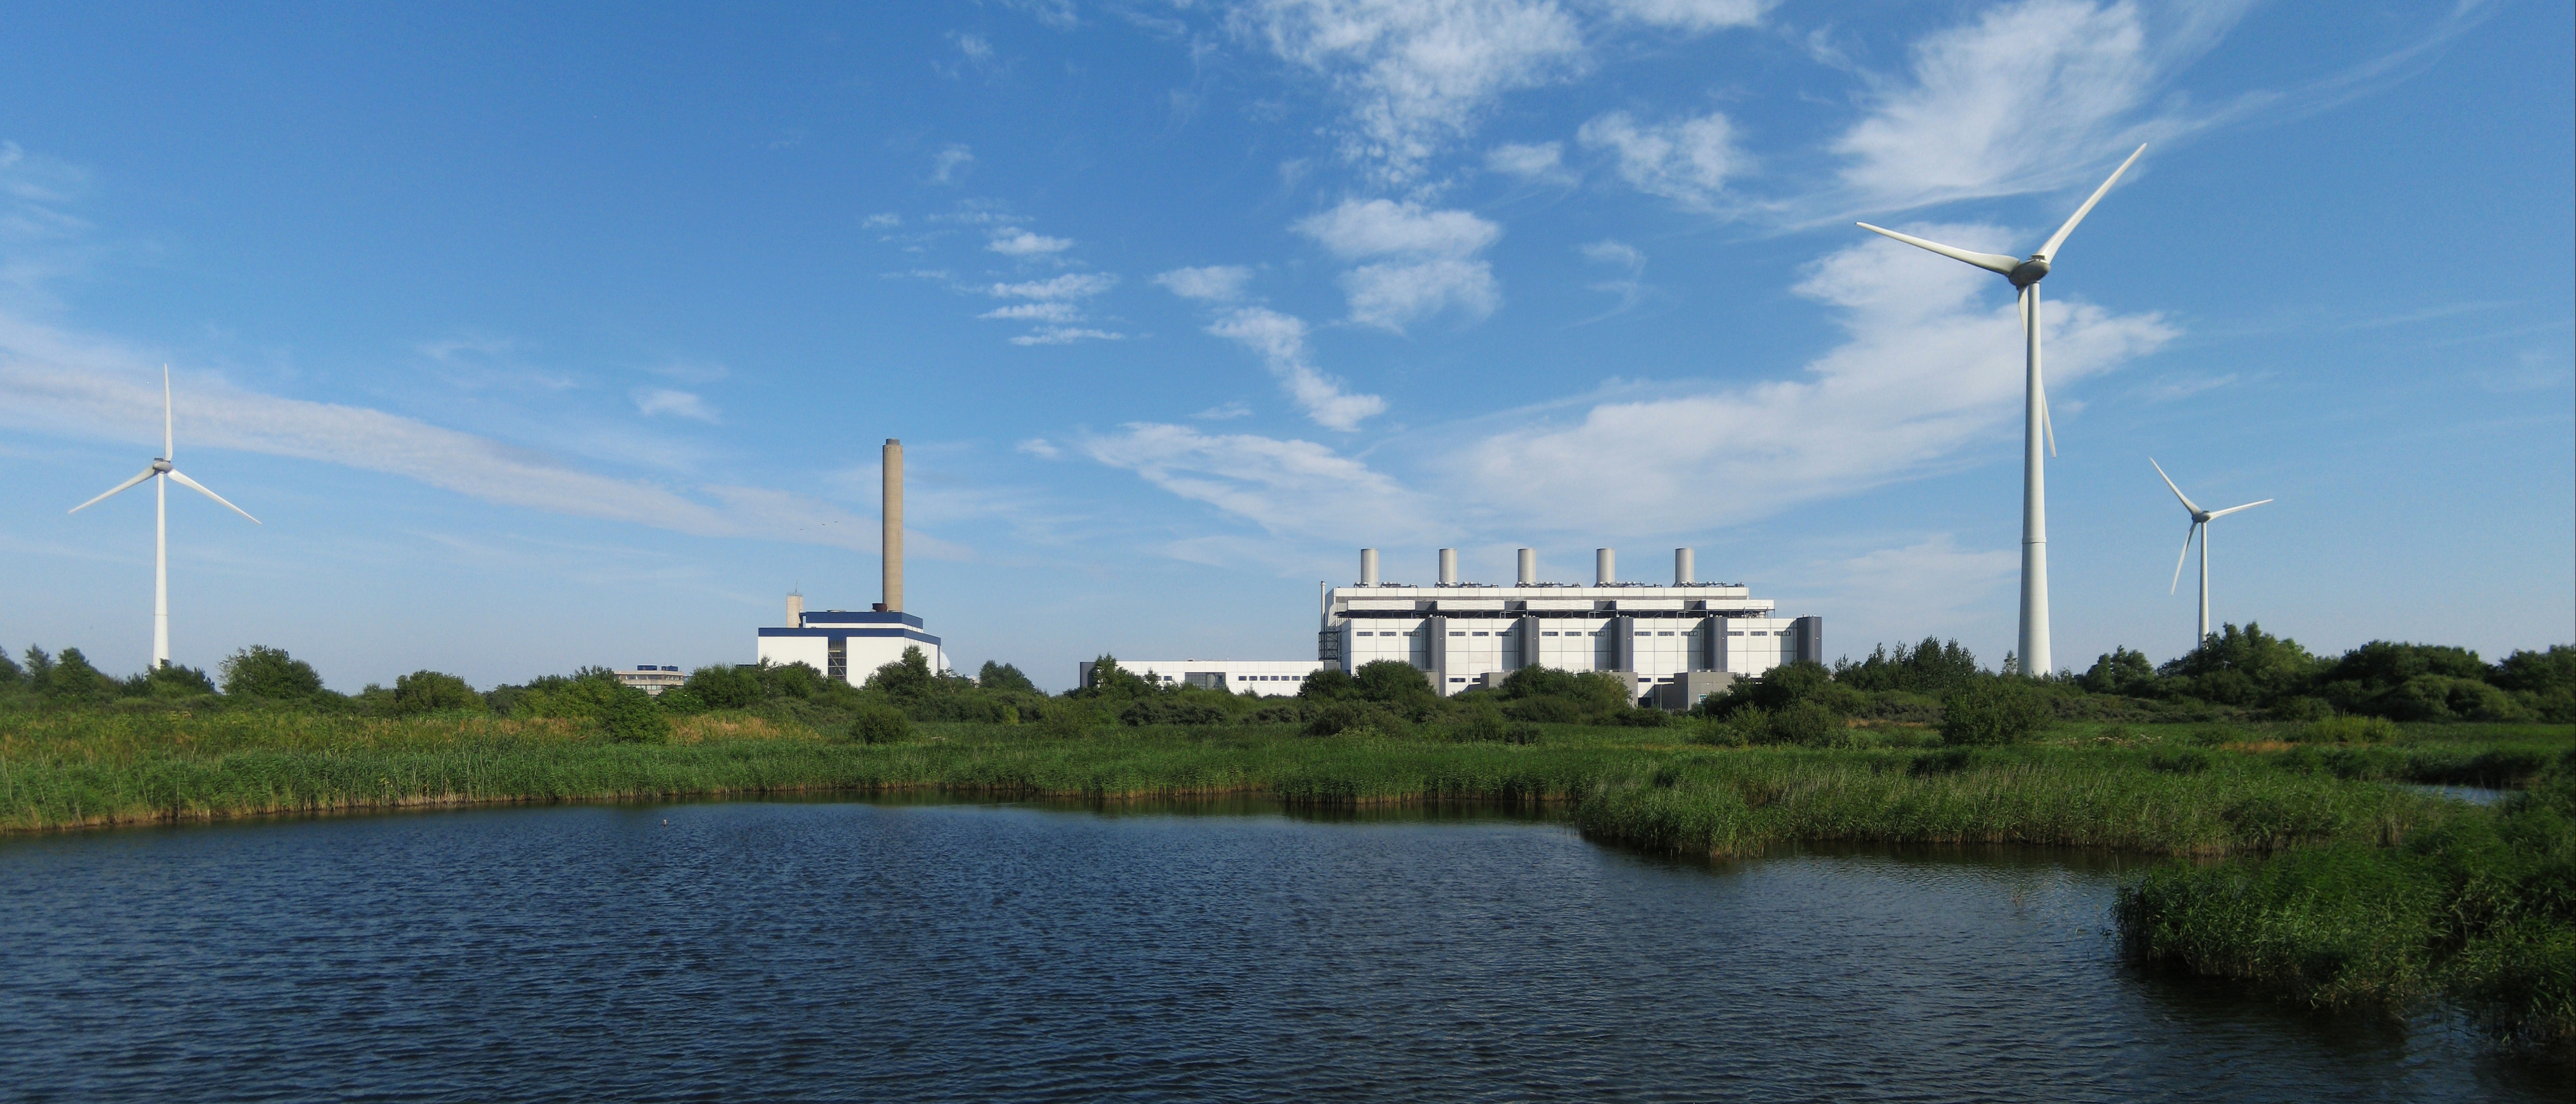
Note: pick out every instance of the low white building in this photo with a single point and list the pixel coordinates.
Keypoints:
(1267, 677)
(847, 644)
(651, 678)
(1462, 635)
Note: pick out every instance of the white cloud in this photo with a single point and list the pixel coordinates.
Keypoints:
(1236, 409)
(1929, 371)
(1689, 15)
(1026, 244)
(1281, 341)
(1065, 335)
(1380, 227)
(1287, 487)
(1611, 251)
(950, 159)
(2028, 97)
(1542, 161)
(66, 384)
(1071, 285)
(1430, 271)
(1416, 75)
(974, 47)
(1215, 283)
(1036, 312)
(1389, 295)
(1904, 594)
(1687, 160)
(665, 400)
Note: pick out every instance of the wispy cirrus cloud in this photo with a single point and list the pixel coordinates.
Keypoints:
(1213, 283)
(1421, 262)
(1281, 341)
(651, 401)
(1687, 160)
(1023, 243)
(1413, 77)
(63, 383)
(1285, 486)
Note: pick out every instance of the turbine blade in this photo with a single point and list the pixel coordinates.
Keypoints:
(111, 492)
(1991, 262)
(2186, 499)
(200, 488)
(2233, 509)
(2047, 426)
(2185, 558)
(168, 444)
(2049, 251)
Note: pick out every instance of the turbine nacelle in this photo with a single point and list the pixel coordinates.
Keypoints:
(161, 466)
(2028, 272)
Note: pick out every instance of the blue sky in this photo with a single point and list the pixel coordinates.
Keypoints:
(541, 336)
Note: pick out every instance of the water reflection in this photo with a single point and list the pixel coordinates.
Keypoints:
(939, 951)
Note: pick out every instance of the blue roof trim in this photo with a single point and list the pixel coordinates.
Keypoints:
(908, 634)
(860, 617)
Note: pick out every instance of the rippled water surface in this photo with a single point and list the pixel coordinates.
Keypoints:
(799, 951)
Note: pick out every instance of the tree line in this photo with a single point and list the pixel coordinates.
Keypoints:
(2235, 674)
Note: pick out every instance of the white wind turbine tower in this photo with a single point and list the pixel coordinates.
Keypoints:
(2200, 520)
(161, 523)
(2026, 275)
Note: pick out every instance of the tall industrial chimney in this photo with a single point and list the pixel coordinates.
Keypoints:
(1529, 566)
(1605, 566)
(795, 610)
(892, 540)
(1368, 567)
(1448, 567)
(1681, 567)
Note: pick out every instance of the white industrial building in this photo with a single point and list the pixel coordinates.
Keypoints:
(851, 644)
(1267, 677)
(1676, 642)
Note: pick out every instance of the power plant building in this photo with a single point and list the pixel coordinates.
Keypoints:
(851, 644)
(1676, 642)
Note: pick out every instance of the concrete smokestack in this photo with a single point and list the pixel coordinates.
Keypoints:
(892, 540)
(1448, 567)
(795, 610)
(1681, 566)
(1368, 567)
(1605, 566)
(1529, 566)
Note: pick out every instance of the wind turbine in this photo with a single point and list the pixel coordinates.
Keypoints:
(161, 469)
(2200, 520)
(2026, 275)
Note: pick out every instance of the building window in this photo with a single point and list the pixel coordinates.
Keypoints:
(1459, 634)
(1663, 634)
(1547, 634)
(1478, 634)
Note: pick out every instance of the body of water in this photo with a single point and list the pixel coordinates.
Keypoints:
(801, 951)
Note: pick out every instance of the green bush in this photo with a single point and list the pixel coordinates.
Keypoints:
(71, 679)
(2185, 760)
(1349, 716)
(433, 692)
(679, 702)
(1994, 710)
(270, 674)
(725, 686)
(880, 724)
(629, 716)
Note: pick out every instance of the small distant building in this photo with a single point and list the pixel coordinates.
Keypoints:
(651, 678)
(1266, 677)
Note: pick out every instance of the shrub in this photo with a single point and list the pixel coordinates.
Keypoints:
(724, 686)
(1993, 711)
(1641, 718)
(260, 671)
(1346, 716)
(1168, 711)
(168, 682)
(70, 678)
(1547, 710)
(880, 724)
(432, 692)
(629, 716)
(1803, 722)
(906, 679)
(2348, 730)
(678, 701)
(2302, 708)
(1065, 719)
(1480, 725)
(1277, 712)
